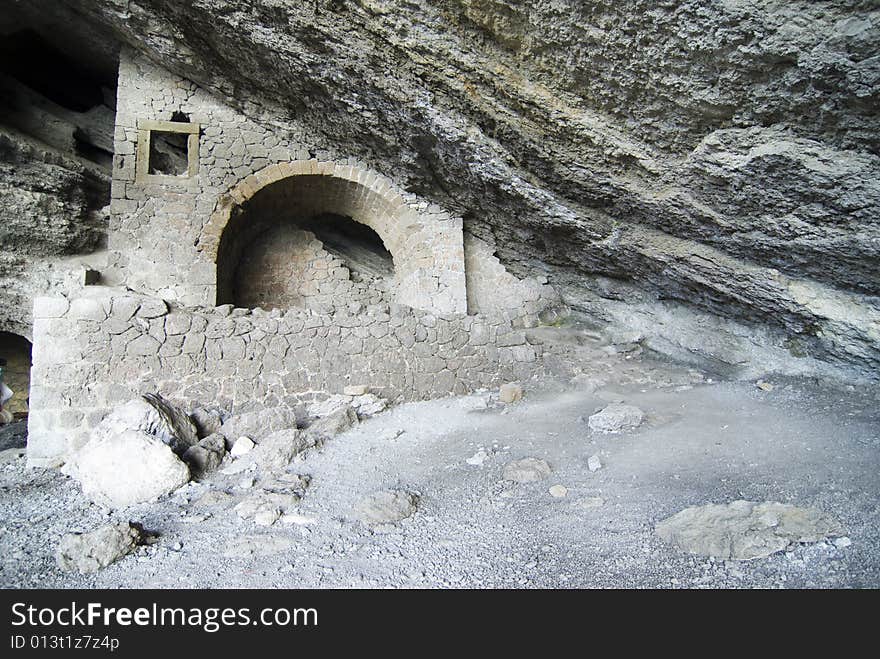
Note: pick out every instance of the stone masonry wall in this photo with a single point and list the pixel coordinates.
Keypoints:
(287, 267)
(166, 231)
(95, 353)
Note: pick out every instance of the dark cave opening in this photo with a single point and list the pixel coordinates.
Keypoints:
(30, 59)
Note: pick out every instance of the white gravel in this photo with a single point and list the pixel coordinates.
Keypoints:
(706, 443)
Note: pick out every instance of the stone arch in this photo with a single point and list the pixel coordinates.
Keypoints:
(425, 242)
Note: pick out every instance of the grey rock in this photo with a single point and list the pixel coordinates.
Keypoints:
(206, 456)
(745, 530)
(130, 467)
(155, 416)
(93, 551)
(208, 420)
(386, 507)
(334, 423)
(616, 417)
(274, 452)
(526, 470)
(258, 424)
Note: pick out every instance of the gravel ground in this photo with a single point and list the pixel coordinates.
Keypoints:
(702, 442)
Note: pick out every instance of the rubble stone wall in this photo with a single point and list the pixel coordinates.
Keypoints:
(167, 232)
(94, 353)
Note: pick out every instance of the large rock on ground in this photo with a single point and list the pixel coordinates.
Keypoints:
(90, 552)
(208, 420)
(385, 507)
(274, 452)
(257, 425)
(127, 468)
(155, 416)
(616, 417)
(745, 530)
(526, 470)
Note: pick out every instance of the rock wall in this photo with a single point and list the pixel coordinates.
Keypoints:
(685, 158)
(94, 353)
(286, 267)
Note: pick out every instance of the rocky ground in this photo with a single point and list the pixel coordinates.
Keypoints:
(702, 441)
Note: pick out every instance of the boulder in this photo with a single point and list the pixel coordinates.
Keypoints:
(385, 507)
(274, 452)
(368, 405)
(745, 530)
(257, 425)
(526, 470)
(510, 393)
(153, 415)
(334, 423)
(127, 468)
(365, 405)
(90, 552)
(616, 417)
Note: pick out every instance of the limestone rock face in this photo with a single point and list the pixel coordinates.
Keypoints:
(126, 468)
(51, 209)
(745, 530)
(90, 552)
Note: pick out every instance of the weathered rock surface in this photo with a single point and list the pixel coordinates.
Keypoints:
(257, 425)
(333, 423)
(616, 417)
(526, 470)
(745, 530)
(126, 468)
(264, 508)
(274, 452)
(386, 507)
(93, 551)
(154, 416)
(208, 420)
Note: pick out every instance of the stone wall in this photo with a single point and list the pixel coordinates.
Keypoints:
(286, 267)
(94, 353)
(169, 233)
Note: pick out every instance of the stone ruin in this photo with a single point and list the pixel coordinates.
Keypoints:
(248, 272)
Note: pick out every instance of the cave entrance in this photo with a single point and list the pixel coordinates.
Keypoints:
(16, 350)
(279, 253)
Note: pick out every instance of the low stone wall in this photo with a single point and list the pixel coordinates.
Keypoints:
(93, 353)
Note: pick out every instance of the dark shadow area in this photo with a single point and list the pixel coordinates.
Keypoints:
(34, 62)
(16, 350)
(168, 153)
